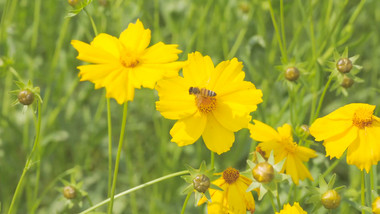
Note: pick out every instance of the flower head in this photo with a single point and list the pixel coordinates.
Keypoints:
(282, 144)
(234, 199)
(212, 102)
(354, 128)
(295, 209)
(125, 63)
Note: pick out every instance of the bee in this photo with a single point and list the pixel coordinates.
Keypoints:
(203, 92)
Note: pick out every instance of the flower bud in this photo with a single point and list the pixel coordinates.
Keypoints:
(330, 199)
(201, 183)
(73, 3)
(263, 172)
(292, 74)
(69, 192)
(305, 129)
(347, 82)
(25, 97)
(344, 65)
(376, 206)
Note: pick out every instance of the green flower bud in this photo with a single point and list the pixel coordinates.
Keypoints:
(292, 74)
(201, 183)
(344, 65)
(73, 3)
(69, 192)
(330, 199)
(263, 172)
(25, 97)
(347, 82)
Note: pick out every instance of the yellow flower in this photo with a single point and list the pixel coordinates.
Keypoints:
(121, 65)
(282, 144)
(234, 199)
(352, 127)
(212, 102)
(295, 209)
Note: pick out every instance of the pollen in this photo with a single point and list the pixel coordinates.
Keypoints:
(205, 104)
(128, 60)
(230, 175)
(363, 117)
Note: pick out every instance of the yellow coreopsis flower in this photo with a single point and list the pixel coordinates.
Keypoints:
(234, 199)
(125, 63)
(212, 102)
(352, 127)
(282, 145)
(295, 209)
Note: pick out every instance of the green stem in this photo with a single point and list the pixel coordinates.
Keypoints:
(92, 22)
(109, 147)
(136, 188)
(322, 97)
(278, 35)
(185, 203)
(283, 25)
(278, 198)
(212, 159)
(29, 160)
(331, 167)
(36, 22)
(363, 193)
(110, 206)
(272, 202)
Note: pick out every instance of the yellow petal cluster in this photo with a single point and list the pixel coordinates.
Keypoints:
(122, 64)
(234, 199)
(354, 128)
(295, 209)
(282, 145)
(212, 102)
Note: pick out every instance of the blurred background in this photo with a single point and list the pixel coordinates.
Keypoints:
(35, 43)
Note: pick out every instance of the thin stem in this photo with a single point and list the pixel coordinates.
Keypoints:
(29, 160)
(185, 203)
(109, 147)
(212, 159)
(115, 172)
(322, 97)
(331, 167)
(283, 25)
(283, 53)
(92, 22)
(363, 193)
(272, 202)
(135, 188)
(278, 198)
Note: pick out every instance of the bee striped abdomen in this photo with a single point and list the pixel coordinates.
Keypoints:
(203, 92)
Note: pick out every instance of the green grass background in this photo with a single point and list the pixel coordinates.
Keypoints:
(35, 41)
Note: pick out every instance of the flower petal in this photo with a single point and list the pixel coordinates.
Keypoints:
(230, 118)
(335, 146)
(198, 69)
(97, 73)
(324, 128)
(304, 153)
(235, 198)
(225, 73)
(135, 38)
(103, 49)
(217, 138)
(160, 53)
(188, 130)
(175, 101)
(262, 132)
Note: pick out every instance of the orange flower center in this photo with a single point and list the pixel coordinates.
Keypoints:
(205, 104)
(230, 175)
(128, 60)
(363, 117)
(289, 145)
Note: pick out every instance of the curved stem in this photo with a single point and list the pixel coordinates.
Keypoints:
(363, 193)
(322, 97)
(92, 22)
(134, 189)
(185, 203)
(115, 172)
(109, 147)
(29, 160)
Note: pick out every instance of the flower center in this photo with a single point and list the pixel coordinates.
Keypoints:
(205, 104)
(289, 145)
(230, 175)
(362, 117)
(128, 60)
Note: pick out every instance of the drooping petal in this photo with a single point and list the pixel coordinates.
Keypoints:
(120, 87)
(198, 69)
(188, 130)
(135, 38)
(336, 145)
(290, 167)
(304, 153)
(160, 53)
(217, 138)
(104, 49)
(235, 199)
(242, 185)
(262, 132)
(175, 101)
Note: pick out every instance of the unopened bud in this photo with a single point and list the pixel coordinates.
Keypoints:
(344, 65)
(330, 199)
(69, 192)
(292, 74)
(25, 97)
(201, 183)
(263, 172)
(347, 82)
